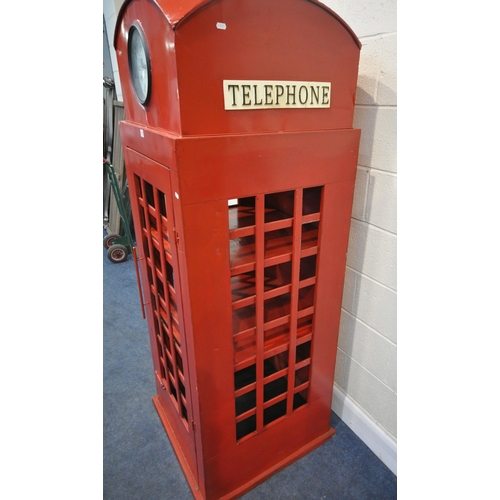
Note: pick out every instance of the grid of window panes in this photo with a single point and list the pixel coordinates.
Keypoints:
(156, 233)
(273, 252)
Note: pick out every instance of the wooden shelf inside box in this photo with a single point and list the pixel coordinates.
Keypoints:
(241, 216)
(276, 307)
(276, 339)
(277, 248)
(243, 286)
(174, 323)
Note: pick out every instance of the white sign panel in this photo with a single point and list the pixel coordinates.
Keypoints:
(272, 94)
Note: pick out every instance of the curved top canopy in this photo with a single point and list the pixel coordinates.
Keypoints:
(176, 11)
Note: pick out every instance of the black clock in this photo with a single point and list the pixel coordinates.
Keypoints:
(139, 64)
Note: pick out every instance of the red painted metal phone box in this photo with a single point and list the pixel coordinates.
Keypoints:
(241, 160)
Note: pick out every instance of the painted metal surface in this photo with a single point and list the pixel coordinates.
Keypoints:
(242, 220)
(280, 40)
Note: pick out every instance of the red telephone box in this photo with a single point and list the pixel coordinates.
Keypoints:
(241, 160)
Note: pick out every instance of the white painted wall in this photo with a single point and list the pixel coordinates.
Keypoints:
(365, 393)
(365, 390)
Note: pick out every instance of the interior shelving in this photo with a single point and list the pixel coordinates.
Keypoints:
(273, 246)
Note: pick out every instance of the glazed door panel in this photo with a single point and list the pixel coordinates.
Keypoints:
(157, 240)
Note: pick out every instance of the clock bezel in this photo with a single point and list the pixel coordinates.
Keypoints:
(136, 29)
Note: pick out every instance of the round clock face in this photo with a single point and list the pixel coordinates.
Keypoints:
(140, 67)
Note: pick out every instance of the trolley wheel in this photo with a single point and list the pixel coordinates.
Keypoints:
(108, 240)
(117, 253)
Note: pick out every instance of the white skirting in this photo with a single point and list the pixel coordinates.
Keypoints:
(379, 441)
